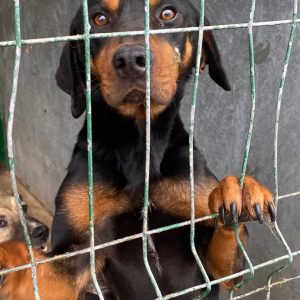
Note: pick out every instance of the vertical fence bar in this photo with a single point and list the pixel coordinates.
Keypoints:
(148, 143)
(276, 180)
(248, 143)
(191, 151)
(10, 145)
(87, 28)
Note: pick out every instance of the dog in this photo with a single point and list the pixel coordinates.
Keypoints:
(10, 224)
(118, 108)
(18, 285)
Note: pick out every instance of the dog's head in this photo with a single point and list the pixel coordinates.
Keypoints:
(10, 225)
(118, 64)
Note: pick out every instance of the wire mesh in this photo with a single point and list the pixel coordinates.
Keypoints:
(145, 236)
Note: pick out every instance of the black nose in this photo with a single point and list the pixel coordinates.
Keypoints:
(130, 61)
(41, 232)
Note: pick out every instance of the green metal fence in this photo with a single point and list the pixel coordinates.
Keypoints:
(204, 288)
(2, 138)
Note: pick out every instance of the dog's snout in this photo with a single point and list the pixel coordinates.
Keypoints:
(130, 61)
(40, 232)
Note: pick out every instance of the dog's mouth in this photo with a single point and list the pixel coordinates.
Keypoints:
(135, 97)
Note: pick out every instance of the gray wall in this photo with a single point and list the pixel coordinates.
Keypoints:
(45, 131)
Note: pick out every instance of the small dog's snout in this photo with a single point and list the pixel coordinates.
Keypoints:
(130, 61)
(40, 232)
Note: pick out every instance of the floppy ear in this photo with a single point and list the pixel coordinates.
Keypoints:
(211, 57)
(70, 75)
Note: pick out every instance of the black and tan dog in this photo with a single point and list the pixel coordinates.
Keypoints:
(118, 107)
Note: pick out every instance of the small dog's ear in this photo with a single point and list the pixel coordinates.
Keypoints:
(211, 57)
(70, 75)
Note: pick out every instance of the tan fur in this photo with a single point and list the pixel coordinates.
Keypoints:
(229, 191)
(188, 53)
(8, 209)
(138, 111)
(107, 202)
(111, 5)
(222, 253)
(164, 75)
(154, 2)
(174, 198)
(18, 285)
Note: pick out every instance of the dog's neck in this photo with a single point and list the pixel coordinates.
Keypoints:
(123, 140)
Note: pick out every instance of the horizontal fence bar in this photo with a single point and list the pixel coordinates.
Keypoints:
(233, 276)
(80, 37)
(108, 244)
(114, 243)
(124, 240)
(265, 288)
(289, 195)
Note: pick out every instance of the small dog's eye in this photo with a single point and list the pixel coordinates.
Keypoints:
(168, 13)
(100, 19)
(3, 223)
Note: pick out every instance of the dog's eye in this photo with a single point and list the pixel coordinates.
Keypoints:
(100, 19)
(3, 223)
(168, 13)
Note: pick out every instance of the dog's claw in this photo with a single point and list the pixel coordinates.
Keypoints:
(259, 213)
(233, 211)
(222, 214)
(272, 212)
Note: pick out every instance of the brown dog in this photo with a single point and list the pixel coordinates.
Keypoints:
(18, 285)
(10, 225)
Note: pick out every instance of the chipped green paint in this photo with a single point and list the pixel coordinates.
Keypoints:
(146, 238)
(3, 158)
(276, 180)
(191, 152)
(248, 145)
(87, 28)
(10, 145)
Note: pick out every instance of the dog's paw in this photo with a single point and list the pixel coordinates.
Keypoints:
(253, 202)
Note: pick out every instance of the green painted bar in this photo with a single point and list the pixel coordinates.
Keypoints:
(191, 151)
(146, 237)
(248, 144)
(141, 32)
(3, 155)
(87, 28)
(10, 148)
(276, 179)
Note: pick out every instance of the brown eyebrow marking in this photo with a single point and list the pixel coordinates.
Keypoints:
(111, 5)
(155, 2)
(188, 52)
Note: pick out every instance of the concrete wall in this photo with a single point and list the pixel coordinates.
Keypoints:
(45, 131)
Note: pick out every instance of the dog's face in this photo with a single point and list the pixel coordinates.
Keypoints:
(118, 64)
(10, 225)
